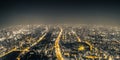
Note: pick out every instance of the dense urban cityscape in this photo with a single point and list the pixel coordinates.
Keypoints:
(60, 42)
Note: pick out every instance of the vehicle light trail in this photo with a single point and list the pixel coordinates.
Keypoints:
(57, 47)
(79, 40)
(8, 52)
(27, 49)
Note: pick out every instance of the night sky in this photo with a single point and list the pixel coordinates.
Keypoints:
(60, 12)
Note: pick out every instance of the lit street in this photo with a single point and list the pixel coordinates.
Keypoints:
(60, 42)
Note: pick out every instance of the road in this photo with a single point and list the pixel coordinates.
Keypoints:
(8, 52)
(65, 43)
(78, 38)
(57, 46)
(27, 48)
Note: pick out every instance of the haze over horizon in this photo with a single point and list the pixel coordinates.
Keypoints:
(60, 12)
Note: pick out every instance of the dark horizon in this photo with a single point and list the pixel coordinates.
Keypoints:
(60, 12)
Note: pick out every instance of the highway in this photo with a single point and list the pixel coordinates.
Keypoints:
(57, 46)
(79, 40)
(43, 48)
(27, 48)
(63, 42)
(14, 49)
